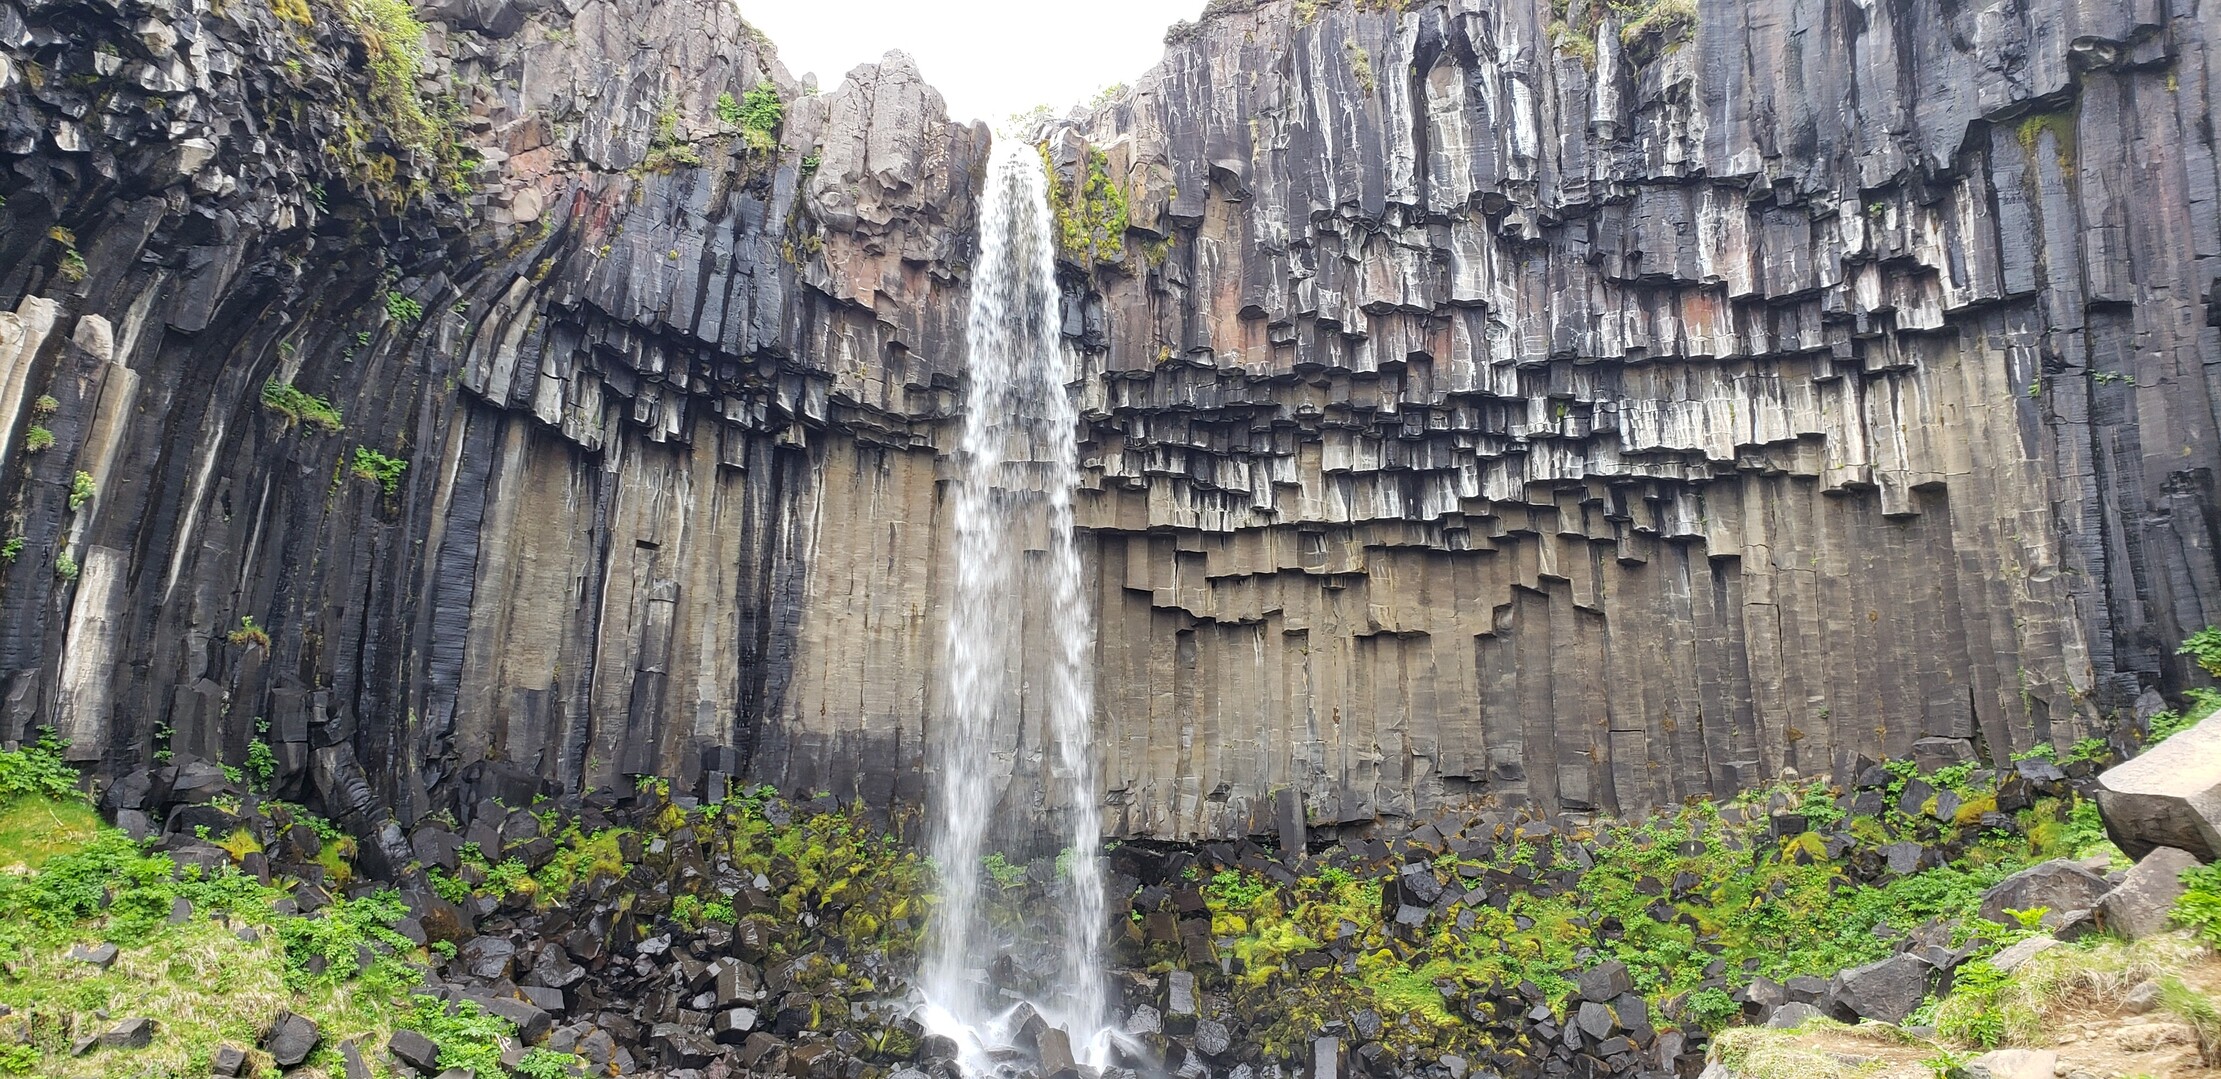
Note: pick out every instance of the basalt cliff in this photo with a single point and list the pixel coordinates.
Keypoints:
(1577, 405)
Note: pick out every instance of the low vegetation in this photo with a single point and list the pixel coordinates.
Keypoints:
(376, 467)
(213, 957)
(1091, 228)
(1647, 28)
(757, 114)
(393, 40)
(297, 406)
(1695, 902)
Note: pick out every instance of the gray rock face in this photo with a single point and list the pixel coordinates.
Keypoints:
(2167, 796)
(1792, 1015)
(2056, 886)
(1887, 991)
(2011, 957)
(1464, 414)
(2139, 906)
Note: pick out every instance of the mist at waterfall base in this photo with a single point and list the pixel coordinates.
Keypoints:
(1017, 571)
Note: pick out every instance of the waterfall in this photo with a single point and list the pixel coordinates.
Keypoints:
(1017, 608)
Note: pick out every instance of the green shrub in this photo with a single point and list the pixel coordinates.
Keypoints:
(2199, 908)
(379, 469)
(393, 40)
(1094, 228)
(19, 1059)
(400, 308)
(38, 770)
(45, 406)
(2204, 647)
(540, 1063)
(262, 764)
(81, 490)
(467, 1036)
(447, 886)
(1711, 1009)
(66, 567)
(1975, 1010)
(300, 407)
(759, 114)
(339, 935)
(11, 549)
(1004, 872)
(2197, 1012)
(666, 150)
(248, 635)
(1232, 889)
(38, 439)
(2165, 725)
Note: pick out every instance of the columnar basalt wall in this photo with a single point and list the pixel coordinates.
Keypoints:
(1482, 400)
(1494, 398)
(667, 401)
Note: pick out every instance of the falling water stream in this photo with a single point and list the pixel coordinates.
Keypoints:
(1017, 610)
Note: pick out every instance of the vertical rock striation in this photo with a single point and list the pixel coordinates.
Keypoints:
(1479, 399)
(1502, 398)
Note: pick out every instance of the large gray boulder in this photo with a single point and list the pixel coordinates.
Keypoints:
(2057, 885)
(2168, 796)
(2138, 907)
(1887, 991)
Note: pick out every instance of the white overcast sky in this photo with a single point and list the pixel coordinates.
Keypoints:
(989, 58)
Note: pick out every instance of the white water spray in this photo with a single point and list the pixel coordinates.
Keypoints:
(1017, 571)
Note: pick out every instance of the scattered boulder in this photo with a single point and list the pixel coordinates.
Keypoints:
(1213, 1038)
(733, 1025)
(1887, 991)
(1326, 1058)
(129, 1034)
(414, 1051)
(99, 955)
(2168, 796)
(351, 1062)
(228, 1062)
(487, 957)
(532, 1023)
(2138, 907)
(2014, 1064)
(2057, 885)
(1053, 1047)
(291, 1039)
(1180, 1009)
(1792, 1015)
(2009, 959)
(1606, 982)
(2142, 998)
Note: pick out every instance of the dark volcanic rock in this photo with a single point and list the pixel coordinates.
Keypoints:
(291, 1038)
(2057, 885)
(1624, 349)
(2168, 796)
(414, 1051)
(129, 1034)
(2142, 904)
(1887, 991)
(228, 1062)
(1605, 982)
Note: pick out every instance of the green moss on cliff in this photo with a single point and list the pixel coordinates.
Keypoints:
(1093, 227)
